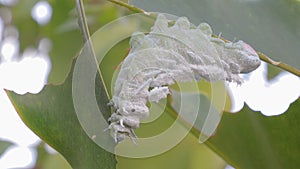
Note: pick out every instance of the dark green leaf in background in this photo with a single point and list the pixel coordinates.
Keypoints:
(248, 139)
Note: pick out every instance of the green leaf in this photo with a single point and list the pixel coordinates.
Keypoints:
(248, 139)
(46, 160)
(3, 146)
(216, 91)
(203, 113)
(55, 161)
(272, 72)
(51, 115)
(272, 31)
(187, 154)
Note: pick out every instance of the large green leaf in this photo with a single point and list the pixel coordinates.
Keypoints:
(272, 27)
(51, 115)
(248, 139)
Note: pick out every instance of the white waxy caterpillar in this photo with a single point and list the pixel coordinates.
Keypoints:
(170, 54)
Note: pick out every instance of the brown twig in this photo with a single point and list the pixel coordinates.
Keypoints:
(281, 65)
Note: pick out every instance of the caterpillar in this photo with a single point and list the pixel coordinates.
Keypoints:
(168, 54)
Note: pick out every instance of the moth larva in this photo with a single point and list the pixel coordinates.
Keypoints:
(167, 54)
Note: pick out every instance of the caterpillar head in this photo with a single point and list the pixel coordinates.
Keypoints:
(244, 56)
(239, 56)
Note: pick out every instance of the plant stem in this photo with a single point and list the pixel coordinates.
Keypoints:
(86, 38)
(82, 21)
(130, 7)
(281, 65)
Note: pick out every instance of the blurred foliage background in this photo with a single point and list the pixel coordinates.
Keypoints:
(244, 140)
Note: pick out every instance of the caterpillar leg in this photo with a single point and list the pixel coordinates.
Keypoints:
(124, 121)
(112, 105)
(120, 132)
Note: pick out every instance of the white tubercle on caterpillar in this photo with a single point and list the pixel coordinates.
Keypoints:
(170, 54)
